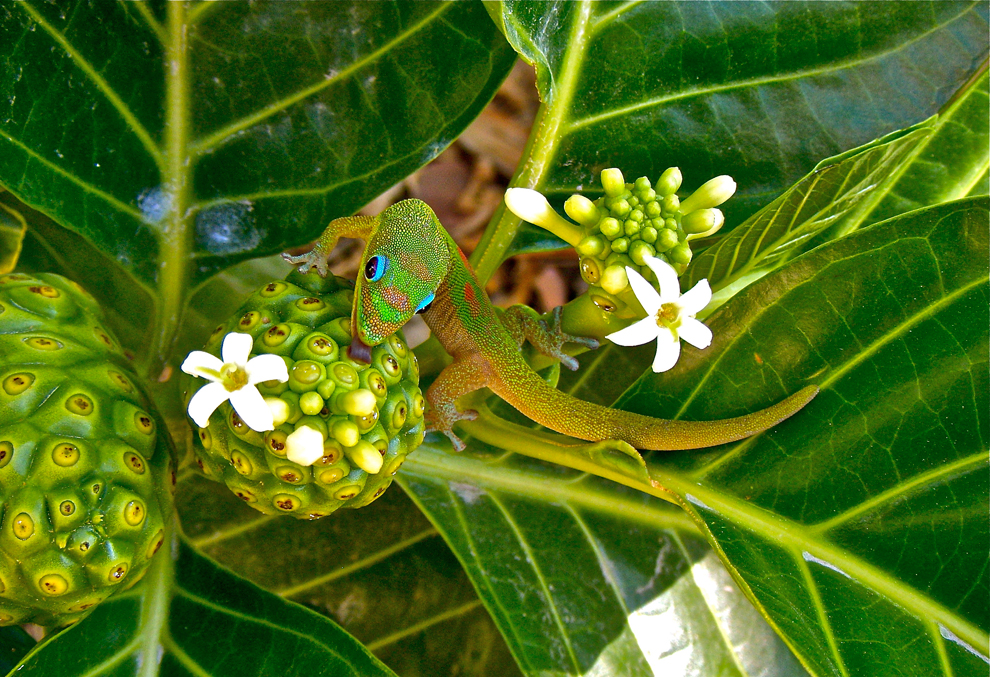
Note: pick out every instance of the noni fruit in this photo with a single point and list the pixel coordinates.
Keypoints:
(86, 469)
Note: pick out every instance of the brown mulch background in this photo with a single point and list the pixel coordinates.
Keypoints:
(464, 186)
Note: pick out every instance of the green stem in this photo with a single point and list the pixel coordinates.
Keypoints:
(541, 149)
(173, 243)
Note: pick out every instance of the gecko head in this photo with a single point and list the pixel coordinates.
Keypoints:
(403, 265)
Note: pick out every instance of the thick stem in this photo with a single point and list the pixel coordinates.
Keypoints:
(174, 236)
(541, 149)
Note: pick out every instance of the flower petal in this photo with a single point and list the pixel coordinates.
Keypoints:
(670, 286)
(266, 368)
(236, 348)
(695, 299)
(252, 408)
(695, 332)
(304, 446)
(204, 365)
(644, 291)
(205, 402)
(668, 350)
(636, 334)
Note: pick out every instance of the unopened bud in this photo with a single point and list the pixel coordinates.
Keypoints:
(669, 181)
(698, 221)
(592, 245)
(711, 194)
(614, 279)
(582, 210)
(613, 182)
(719, 221)
(365, 456)
(530, 205)
(360, 402)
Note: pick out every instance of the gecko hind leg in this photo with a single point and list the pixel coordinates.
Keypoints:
(523, 323)
(457, 379)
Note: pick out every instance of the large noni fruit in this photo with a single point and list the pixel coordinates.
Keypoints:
(86, 468)
(370, 415)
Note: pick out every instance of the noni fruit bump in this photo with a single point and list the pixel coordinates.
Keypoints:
(316, 432)
(86, 469)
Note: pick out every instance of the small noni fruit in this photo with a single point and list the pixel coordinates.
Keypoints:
(367, 417)
(86, 469)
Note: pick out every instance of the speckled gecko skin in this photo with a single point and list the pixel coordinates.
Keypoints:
(411, 265)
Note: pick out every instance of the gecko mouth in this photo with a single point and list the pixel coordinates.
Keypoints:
(359, 351)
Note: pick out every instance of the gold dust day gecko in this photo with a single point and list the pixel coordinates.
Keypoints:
(411, 265)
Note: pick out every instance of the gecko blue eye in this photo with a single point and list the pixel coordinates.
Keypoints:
(425, 304)
(375, 268)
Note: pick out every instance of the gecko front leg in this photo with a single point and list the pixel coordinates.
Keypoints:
(458, 378)
(523, 323)
(318, 257)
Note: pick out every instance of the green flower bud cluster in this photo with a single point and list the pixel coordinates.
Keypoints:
(635, 221)
(86, 477)
(370, 416)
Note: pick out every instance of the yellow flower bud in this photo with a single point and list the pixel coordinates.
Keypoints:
(711, 194)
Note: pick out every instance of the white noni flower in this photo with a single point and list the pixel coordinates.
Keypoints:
(669, 315)
(234, 378)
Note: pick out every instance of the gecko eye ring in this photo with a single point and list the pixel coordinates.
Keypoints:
(375, 268)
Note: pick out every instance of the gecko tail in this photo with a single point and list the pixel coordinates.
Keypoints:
(584, 420)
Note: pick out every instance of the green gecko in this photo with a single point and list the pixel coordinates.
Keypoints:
(411, 265)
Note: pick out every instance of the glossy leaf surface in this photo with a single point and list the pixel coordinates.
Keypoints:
(759, 91)
(585, 577)
(171, 623)
(382, 572)
(212, 132)
(839, 191)
(950, 164)
(859, 525)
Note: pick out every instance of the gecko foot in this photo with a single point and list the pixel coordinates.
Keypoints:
(559, 338)
(314, 258)
(446, 426)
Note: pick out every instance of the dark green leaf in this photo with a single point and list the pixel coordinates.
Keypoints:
(14, 645)
(949, 164)
(48, 247)
(759, 91)
(191, 617)
(585, 577)
(837, 192)
(182, 138)
(382, 572)
(859, 526)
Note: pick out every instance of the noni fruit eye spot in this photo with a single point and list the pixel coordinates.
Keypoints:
(333, 431)
(85, 474)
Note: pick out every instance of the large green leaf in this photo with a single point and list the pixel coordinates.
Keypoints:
(950, 164)
(840, 190)
(382, 572)
(585, 577)
(859, 526)
(180, 138)
(171, 624)
(760, 91)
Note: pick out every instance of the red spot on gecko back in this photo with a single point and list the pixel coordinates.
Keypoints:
(471, 298)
